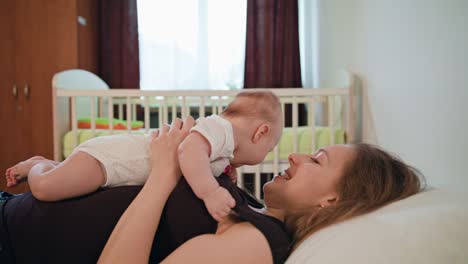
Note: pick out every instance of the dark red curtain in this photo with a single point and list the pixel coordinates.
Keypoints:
(272, 48)
(119, 61)
(118, 44)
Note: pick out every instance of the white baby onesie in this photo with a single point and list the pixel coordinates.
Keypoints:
(218, 132)
(126, 158)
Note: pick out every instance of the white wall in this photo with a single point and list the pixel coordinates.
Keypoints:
(412, 56)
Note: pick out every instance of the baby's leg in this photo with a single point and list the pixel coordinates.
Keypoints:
(19, 172)
(79, 174)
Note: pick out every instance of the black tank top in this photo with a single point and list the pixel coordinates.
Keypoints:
(184, 209)
(76, 230)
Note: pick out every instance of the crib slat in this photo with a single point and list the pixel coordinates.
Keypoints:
(276, 160)
(110, 113)
(128, 115)
(344, 118)
(174, 110)
(331, 118)
(134, 108)
(189, 111)
(352, 109)
(257, 181)
(74, 121)
(220, 105)
(101, 106)
(311, 116)
(294, 123)
(120, 111)
(147, 114)
(162, 106)
(282, 114)
(240, 177)
(213, 107)
(166, 112)
(282, 109)
(92, 111)
(201, 109)
(184, 107)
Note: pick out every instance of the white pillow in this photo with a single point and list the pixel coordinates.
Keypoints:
(429, 227)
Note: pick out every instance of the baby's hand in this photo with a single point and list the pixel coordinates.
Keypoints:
(231, 172)
(219, 203)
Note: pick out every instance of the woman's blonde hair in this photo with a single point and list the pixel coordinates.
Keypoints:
(373, 179)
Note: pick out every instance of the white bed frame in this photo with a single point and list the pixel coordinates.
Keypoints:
(101, 102)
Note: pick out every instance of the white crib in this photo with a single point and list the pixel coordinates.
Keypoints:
(342, 105)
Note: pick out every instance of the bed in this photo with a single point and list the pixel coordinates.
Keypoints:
(81, 94)
(429, 227)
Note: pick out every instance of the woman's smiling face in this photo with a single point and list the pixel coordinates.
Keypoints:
(310, 181)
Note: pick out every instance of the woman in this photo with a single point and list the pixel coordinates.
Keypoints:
(332, 185)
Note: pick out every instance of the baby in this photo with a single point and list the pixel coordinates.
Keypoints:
(243, 134)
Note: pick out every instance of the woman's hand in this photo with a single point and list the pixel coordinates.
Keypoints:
(164, 145)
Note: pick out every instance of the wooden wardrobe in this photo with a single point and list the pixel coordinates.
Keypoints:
(38, 38)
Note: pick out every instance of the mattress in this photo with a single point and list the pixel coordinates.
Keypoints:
(285, 146)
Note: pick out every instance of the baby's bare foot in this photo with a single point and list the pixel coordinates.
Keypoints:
(19, 172)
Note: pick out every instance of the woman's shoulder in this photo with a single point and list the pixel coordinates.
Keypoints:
(247, 236)
(272, 229)
(239, 243)
(241, 229)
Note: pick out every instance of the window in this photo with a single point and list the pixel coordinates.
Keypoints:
(192, 44)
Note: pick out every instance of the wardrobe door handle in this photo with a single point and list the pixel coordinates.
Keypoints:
(14, 91)
(26, 90)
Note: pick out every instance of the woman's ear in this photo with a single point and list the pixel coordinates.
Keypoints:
(329, 200)
(260, 132)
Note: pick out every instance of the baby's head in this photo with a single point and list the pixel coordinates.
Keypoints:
(258, 121)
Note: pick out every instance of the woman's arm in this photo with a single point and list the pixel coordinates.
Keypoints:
(240, 243)
(132, 237)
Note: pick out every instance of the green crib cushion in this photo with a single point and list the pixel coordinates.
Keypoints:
(304, 139)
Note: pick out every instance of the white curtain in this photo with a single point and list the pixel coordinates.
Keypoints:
(309, 32)
(192, 44)
(308, 42)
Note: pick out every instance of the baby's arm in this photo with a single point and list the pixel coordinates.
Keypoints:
(194, 153)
